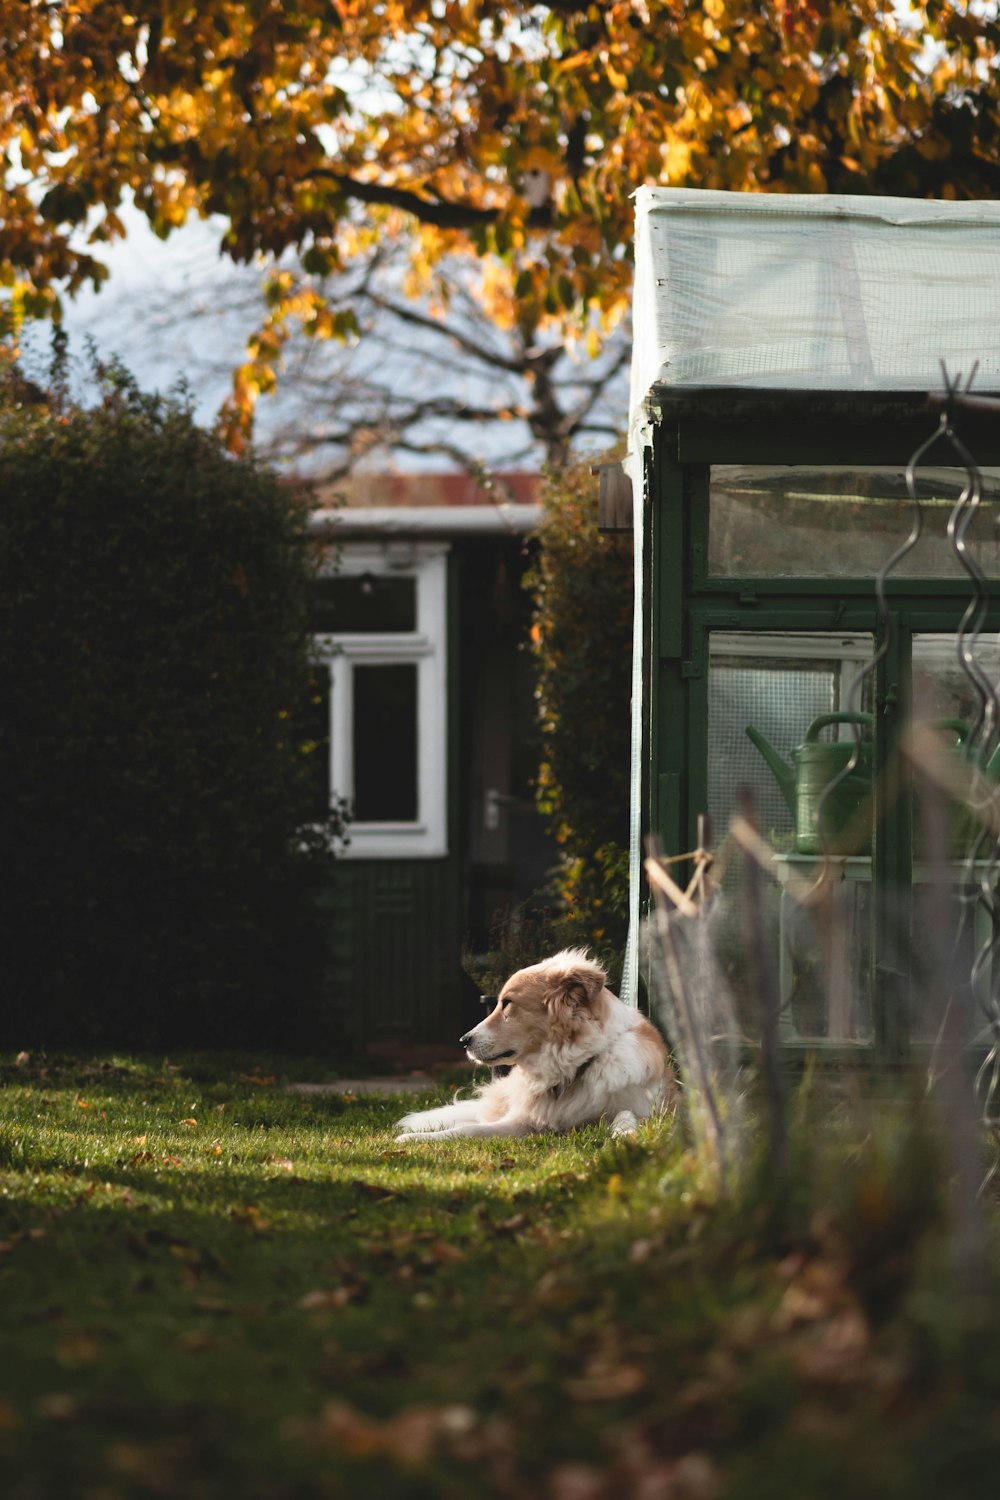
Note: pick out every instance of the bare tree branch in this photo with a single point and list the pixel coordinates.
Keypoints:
(418, 381)
(418, 319)
(436, 212)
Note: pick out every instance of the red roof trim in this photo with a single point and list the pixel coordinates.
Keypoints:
(406, 490)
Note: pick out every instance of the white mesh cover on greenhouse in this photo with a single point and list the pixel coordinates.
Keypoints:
(812, 292)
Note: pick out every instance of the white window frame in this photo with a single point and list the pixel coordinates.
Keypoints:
(426, 648)
(852, 653)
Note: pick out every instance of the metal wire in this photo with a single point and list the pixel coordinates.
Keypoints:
(884, 633)
(979, 882)
(980, 874)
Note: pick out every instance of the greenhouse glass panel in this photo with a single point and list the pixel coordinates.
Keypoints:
(842, 522)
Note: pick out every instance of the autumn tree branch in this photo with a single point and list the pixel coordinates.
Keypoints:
(434, 212)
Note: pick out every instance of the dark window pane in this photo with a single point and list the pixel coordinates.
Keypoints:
(364, 605)
(385, 744)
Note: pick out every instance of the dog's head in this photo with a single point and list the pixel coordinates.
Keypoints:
(549, 1002)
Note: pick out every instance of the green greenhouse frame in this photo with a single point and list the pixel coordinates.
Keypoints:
(689, 437)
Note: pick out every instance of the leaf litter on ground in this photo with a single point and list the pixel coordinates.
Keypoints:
(299, 1306)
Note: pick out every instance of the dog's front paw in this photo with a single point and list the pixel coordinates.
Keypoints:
(624, 1123)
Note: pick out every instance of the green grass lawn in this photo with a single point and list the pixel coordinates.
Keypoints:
(211, 1287)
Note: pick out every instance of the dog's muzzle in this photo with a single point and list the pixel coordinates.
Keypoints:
(471, 1044)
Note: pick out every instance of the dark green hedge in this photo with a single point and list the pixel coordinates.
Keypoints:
(582, 638)
(153, 662)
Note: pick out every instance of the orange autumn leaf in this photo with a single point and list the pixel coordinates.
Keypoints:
(730, 94)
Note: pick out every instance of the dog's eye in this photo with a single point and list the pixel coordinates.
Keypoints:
(504, 1005)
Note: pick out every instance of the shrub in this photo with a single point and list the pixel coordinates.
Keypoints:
(582, 640)
(154, 656)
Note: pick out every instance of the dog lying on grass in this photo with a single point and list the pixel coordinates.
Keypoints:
(576, 1054)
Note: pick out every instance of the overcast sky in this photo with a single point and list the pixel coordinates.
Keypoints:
(161, 313)
(178, 309)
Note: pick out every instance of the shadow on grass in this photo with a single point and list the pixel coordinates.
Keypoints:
(317, 1311)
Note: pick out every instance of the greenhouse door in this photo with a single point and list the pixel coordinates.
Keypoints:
(766, 619)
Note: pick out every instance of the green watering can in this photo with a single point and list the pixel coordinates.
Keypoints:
(963, 824)
(847, 811)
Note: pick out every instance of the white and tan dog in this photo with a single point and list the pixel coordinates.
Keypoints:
(576, 1055)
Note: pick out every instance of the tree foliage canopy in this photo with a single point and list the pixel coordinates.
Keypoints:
(517, 131)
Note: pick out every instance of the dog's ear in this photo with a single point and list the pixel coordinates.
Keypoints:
(572, 979)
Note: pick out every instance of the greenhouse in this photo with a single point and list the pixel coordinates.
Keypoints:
(815, 464)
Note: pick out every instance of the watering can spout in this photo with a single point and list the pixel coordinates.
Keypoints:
(784, 775)
(991, 770)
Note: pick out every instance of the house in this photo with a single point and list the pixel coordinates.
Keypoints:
(784, 354)
(428, 729)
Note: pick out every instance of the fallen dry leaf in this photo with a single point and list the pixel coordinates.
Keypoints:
(834, 1353)
(338, 1296)
(373, 1189)
(577, 1482)
(409, 1437)
(441, 1253)
(557, 1291)
(342, 1426)
(513, 1225)
(216, 1307)
(606, 1382)
(693, 1476)
(249, 1216)
(58, 1407)
(77, 1349)
(815, 1292)
(197, 1341)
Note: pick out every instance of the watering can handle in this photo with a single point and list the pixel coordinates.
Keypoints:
(812, 733)
(958, 725)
